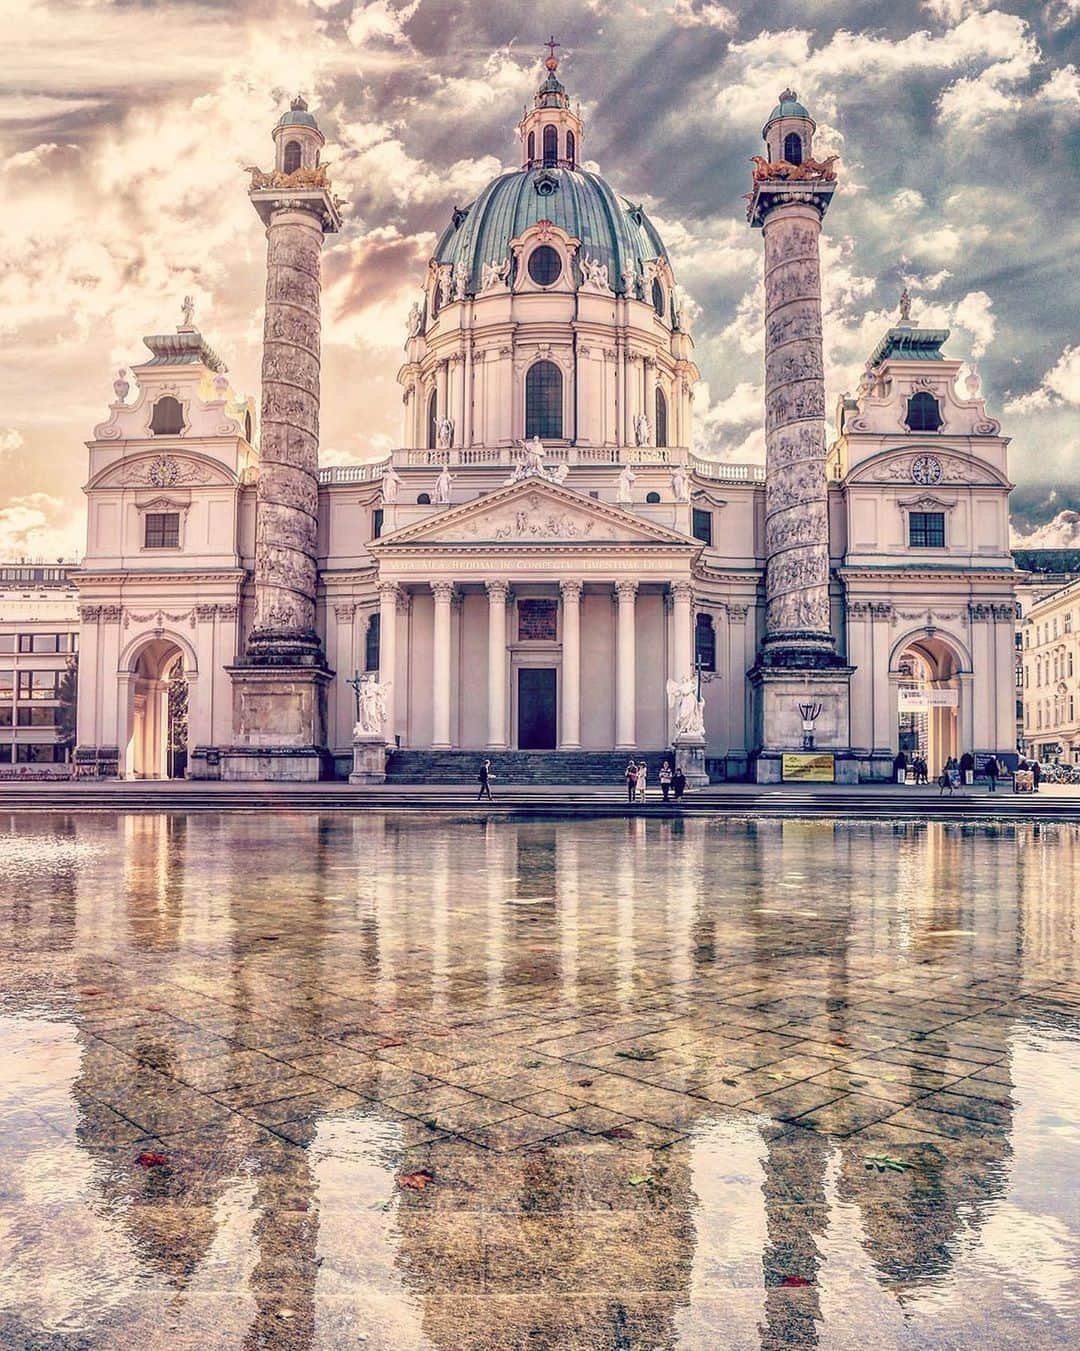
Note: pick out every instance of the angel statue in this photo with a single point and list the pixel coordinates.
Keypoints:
(642, 430)
(689, 707)
(595, 273)
(624, 488)
(391, 482)
(371, 706)
(532, 452)
(444, 433)
(494, 274)
(680, 483)
(414, 319)
(442, 487)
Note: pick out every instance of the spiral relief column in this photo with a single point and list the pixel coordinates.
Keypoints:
(797, 660)
(280, 686)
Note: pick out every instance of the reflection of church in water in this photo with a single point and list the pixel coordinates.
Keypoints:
(363, 1034)
(546, 566)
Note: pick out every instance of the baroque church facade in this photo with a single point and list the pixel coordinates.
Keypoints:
(546, 566)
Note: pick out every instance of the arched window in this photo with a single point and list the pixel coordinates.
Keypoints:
(551, 147)
(290, 161)
(661, 417)
(531, 146)
(658, 297)
(705, 643)
(248, 427)
(432, 420)
(543, 400)
(653, 499)
(793, 148)
(571, 149)
(923, 413)
(423, 499)
(371, 644)
(168, 417)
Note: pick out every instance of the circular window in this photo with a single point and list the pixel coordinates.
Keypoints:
(652, 498)
(658, 298)
(545, 265)
(423, 500)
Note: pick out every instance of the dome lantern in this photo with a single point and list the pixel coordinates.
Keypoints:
(789, 131)
(297, 139)
(550, 132)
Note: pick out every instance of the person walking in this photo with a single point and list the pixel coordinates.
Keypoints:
(485, 776)
(642, 780)
(899, 765)
(630, 774)
(665, 779)
(993, 769)
(1036, 775)
(678, 783)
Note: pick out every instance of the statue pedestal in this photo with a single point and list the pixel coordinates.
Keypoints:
(279, 713)
(368, 758)
(690, 758)
(778, 726)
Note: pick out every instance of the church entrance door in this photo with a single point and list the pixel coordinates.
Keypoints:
(536, 708)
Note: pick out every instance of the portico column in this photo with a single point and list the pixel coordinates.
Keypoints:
(440, 691)
(625, 661)
(650, 395)
(571, 664)
(440, 390)
(683, 596)
(388, 598)
(497, 592)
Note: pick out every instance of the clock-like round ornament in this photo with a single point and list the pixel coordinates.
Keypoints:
(164, 471)
(926, 469)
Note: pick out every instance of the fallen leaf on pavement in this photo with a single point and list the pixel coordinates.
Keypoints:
(151, 1159)
(637, 1053)
(794, 1281)
(415, 1181)
(732, 1083)
(640, 1179)
(584, 1083)
(619, 1133)
(883, 1162)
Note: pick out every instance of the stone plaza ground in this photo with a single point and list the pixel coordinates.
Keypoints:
(336, 1079)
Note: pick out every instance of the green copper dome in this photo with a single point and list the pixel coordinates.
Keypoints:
(298, 115)
(612, 230)
(789, 106)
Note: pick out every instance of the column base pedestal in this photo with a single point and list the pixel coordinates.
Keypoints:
(690, 758)
(368, 760)
(779, 690)
(279, 713)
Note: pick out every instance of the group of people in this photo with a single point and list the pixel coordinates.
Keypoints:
(954, 773)
(671, 780)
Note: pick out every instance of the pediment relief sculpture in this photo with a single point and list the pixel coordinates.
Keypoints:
(162, 471)
(917, 467)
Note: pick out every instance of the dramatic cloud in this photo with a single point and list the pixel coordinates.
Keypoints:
(126, 126)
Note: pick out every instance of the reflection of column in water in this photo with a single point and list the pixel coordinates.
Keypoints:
(439, 890)
(729, 1230)
(683, 866)
(358, 881)
(390, 875)
(626, 878)
(499, 848)
(568, 881)
(796, 1218)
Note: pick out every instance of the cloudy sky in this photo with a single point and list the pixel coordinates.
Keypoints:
(125, 125)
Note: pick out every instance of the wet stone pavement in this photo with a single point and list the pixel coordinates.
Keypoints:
(384, 1082)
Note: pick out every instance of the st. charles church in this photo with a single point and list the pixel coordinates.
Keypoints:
(545, 572)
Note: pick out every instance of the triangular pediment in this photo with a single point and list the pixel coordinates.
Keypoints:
(534, 512)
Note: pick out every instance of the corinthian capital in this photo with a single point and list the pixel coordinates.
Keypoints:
(626, 590)
(570, 591)
(497, 589)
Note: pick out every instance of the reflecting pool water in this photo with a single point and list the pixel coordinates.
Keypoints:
(399, 1082)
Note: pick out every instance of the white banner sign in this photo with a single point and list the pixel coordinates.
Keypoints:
(922, 701)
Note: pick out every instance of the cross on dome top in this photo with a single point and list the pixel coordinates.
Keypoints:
(550, 131)
(552, 62)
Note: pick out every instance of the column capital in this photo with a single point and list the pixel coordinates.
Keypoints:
(387, 590)
(344, 613)
(442, 591)
(570, 589)
(626, 589)
(497, 589)
(683, 591)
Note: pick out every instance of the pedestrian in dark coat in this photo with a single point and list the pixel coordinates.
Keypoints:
(678, 783)
(485, 776)
(1036, 775)
(993, 769)
(630, 774)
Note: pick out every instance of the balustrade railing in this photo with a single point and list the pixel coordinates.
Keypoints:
(464, 457)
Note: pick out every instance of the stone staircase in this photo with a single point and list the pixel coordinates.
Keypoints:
(513, 768)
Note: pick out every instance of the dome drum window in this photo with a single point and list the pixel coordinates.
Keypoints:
(292, 158)
(544, 401)
(545, 265)
(551, 146)
(658, 298)
(793, 148)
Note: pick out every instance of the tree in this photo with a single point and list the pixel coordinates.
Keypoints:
(66, 715)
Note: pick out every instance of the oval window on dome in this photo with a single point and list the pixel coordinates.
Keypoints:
(658, 298)
(545, 265)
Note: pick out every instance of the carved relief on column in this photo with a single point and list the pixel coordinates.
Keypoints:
(285, 547)
(796, 515)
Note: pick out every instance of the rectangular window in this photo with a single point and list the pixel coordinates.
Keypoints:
(42, 716)
(44, 642)
(6, 712)
(7, 684)
(5, 753)
(376, 522)
(1068, 621)
(7, 642)
(926, 530)
(703, 525)
(39, 684)
(39, 755)
(163, 530)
